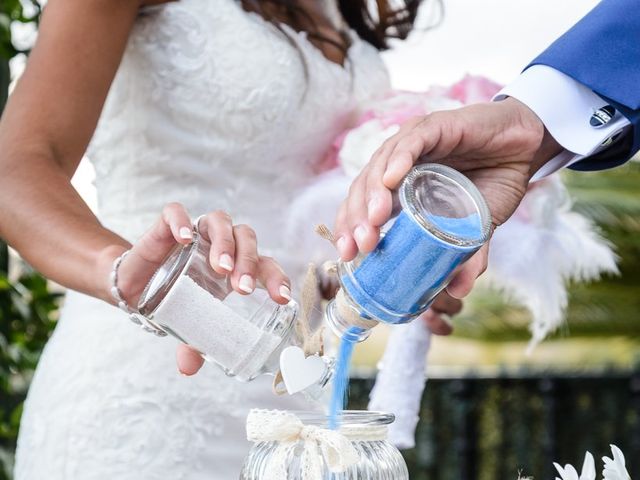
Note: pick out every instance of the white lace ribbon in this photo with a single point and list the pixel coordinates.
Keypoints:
(318, 443)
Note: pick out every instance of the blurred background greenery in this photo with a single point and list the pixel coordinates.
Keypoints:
(28, 307)
(489, 409)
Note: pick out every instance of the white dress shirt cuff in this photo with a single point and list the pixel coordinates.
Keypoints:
(565, 107)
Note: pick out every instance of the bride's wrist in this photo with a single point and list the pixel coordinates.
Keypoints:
(103, 268)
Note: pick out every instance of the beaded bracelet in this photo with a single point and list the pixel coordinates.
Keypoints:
(122, 303)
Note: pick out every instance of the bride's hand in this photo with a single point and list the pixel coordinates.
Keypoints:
(234, 251)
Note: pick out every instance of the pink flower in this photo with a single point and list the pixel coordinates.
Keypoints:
(474, 89)
(380, 120)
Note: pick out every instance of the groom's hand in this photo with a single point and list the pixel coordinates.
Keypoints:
(442, 310)
(498, 145)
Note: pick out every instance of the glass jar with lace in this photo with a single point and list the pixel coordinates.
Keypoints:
(244, 335)
(300, 446)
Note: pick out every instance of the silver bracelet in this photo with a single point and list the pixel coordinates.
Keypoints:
(134, 315)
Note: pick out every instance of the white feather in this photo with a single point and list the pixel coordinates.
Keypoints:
(542, 247)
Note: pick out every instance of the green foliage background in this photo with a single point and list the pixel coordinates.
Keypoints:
(27, 306)
(610, 307)
(27, 317)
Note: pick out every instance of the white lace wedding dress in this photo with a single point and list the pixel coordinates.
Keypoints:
(211, 107)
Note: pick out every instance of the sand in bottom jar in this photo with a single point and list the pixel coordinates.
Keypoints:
(220, 333)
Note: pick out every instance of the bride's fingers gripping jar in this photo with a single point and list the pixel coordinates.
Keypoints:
(243, 334)
(300, 446)
(443, 221)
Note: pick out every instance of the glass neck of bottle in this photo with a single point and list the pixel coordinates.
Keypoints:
(345, 319)
(349, 418)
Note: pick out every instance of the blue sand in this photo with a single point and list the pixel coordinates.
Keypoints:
(410, 266)
(341, 376)
(399, 279)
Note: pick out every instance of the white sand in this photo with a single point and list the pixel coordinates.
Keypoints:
(221, 333)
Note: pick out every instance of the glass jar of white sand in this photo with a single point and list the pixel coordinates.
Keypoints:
(243, 334)
(301, 446)
(443, 221)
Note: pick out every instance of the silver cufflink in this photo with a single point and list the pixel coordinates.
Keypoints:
(602, 116)
(613, 138)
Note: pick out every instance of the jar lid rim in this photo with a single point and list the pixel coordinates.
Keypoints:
(409, 203)
(361, 418)
(176, 262)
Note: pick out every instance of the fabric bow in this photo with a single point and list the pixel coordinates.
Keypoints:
(319, 444)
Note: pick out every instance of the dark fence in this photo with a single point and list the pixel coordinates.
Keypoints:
(495, 428)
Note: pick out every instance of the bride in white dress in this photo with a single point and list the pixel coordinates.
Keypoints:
(212, 107)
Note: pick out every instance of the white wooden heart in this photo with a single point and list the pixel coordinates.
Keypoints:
(299, 372)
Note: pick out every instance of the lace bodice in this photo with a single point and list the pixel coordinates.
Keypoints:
(210, 107)
(213, 107)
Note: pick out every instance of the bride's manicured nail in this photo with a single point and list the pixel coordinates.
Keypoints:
(246, 284)
(285, 292)
(360, 233)
(225, 261)
(186, 233)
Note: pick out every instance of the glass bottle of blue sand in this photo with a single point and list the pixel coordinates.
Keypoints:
(443, 221)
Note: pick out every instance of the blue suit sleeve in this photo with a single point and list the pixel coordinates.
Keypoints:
(602, 51)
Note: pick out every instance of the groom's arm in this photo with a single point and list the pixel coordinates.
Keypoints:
(589, 72)
(500, 145)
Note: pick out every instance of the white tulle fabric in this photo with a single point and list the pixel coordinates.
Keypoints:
(210, 108)
(544, 246)
(401, 380)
